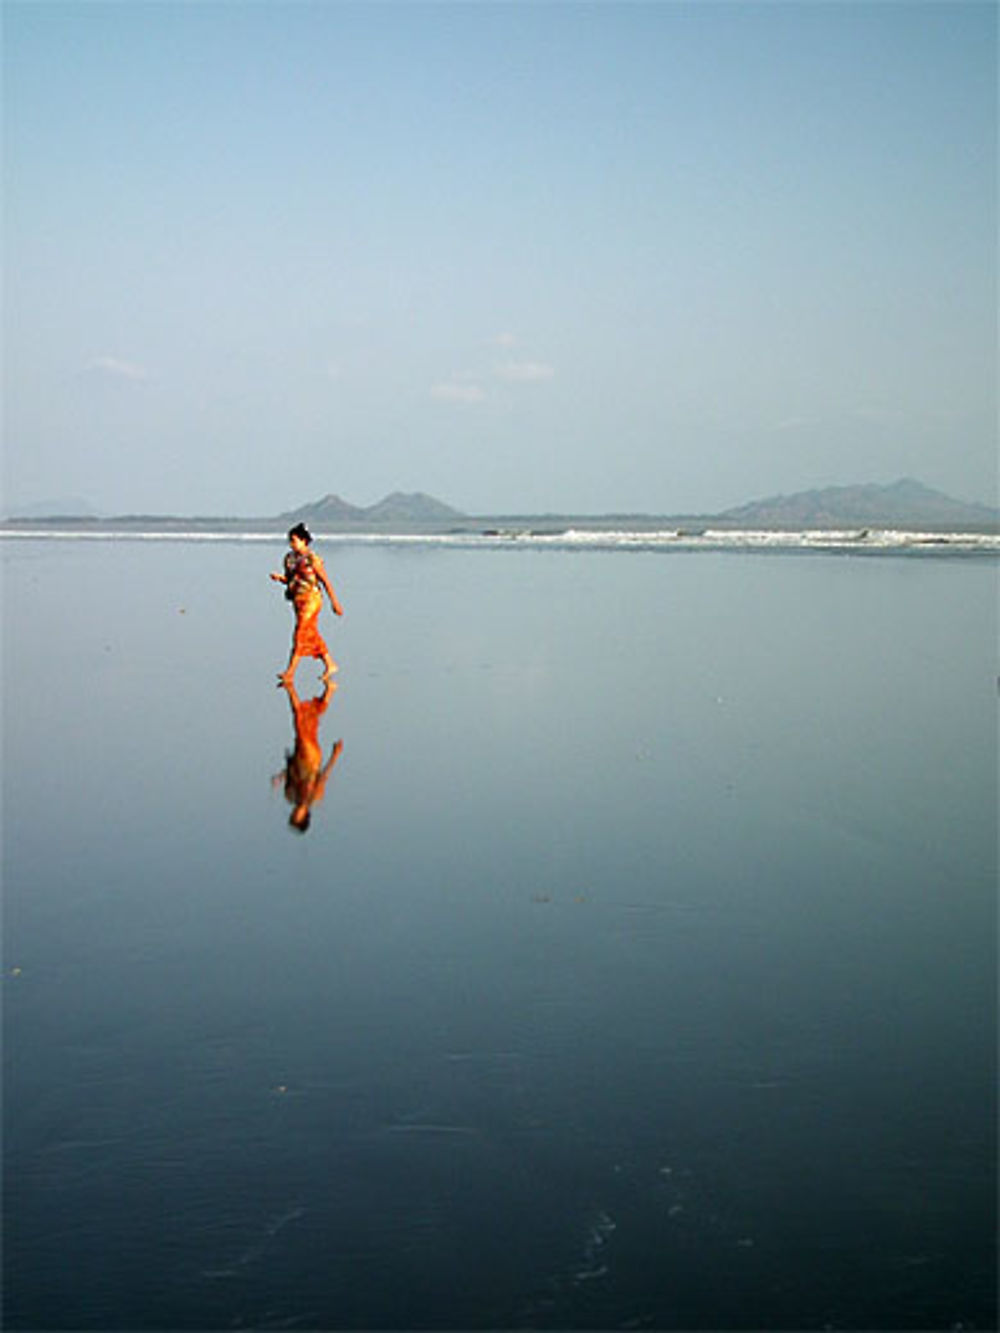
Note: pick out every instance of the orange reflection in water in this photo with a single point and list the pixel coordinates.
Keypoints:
(305, 775)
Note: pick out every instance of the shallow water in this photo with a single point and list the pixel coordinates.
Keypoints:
(637, 968)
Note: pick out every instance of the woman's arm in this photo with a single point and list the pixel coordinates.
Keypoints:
(338, 610)
(334, 756)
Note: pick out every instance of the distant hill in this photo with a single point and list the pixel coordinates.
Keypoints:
(415, 507)
(904, 504)
(395, 508)
(330, 509)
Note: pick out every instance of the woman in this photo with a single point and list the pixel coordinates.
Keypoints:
(303, 578)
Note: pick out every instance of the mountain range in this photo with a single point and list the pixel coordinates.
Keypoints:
(905, 505)
(902, 504)
(413, 507)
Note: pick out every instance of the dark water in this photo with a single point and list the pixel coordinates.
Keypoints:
(637, 969)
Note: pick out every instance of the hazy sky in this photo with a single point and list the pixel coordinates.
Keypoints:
(524, 256)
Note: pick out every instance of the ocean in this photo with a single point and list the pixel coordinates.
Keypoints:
(637, 968)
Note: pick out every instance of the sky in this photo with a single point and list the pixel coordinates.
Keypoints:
(527, 257)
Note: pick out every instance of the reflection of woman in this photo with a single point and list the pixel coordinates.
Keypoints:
(304, 578)
(304, 776)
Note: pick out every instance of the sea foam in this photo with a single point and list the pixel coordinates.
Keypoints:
(864, 541)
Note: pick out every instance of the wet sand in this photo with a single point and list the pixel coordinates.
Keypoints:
(637, 968)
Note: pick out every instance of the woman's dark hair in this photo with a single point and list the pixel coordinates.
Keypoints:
(300, 530)
(300, 823)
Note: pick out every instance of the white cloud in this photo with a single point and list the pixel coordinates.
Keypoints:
(524, 372)
(505, 340)
(122, 370)
(455, 391)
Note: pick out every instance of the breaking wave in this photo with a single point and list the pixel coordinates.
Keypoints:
(863, 541)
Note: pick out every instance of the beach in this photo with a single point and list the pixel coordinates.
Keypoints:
(637, 968)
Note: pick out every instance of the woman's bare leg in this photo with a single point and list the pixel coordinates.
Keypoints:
(286, 677)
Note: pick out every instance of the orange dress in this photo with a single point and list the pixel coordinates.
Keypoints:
(306, 595)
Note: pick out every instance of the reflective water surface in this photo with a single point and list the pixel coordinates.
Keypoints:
(635, 969)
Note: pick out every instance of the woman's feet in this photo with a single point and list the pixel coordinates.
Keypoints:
(330, 669)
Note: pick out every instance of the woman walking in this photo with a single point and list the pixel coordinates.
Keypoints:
(304, 578)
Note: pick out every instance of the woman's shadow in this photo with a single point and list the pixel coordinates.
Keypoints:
(305, 775)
